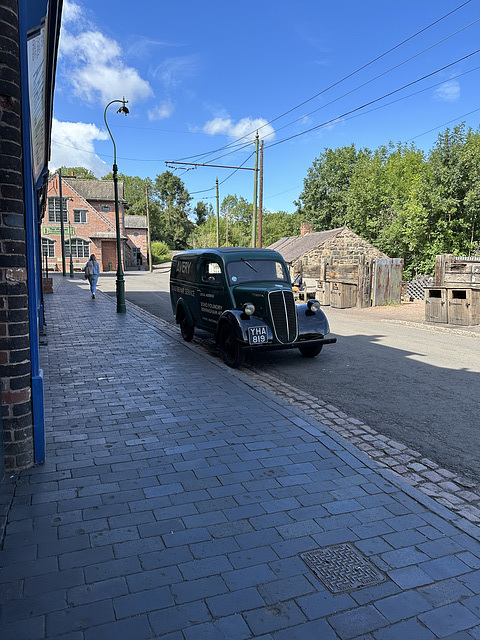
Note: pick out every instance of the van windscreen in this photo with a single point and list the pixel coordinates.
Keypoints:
(245, 270)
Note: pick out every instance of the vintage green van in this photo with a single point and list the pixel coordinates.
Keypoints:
(244, 297)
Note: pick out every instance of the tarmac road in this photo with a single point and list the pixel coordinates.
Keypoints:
(412, 384)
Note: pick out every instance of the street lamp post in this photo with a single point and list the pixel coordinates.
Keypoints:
(70, 244)
(120, 283)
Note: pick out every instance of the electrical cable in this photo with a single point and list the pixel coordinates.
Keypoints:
(337, 82)
(366, 104)
(376, 77)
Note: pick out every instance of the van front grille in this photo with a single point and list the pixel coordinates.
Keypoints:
(284, 315)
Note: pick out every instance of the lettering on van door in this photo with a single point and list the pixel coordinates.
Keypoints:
(183, 267)
(210, 309)
(183, 291)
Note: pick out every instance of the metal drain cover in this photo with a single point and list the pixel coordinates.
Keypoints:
(342, 568)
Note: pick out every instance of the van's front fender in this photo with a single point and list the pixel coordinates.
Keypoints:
(311, 322)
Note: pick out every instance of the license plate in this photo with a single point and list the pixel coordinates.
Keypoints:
(257, 335)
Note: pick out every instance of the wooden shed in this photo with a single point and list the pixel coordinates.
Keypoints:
(455, 296)
(342, 269)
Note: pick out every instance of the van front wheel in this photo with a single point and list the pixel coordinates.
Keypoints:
(186, 328)
(311, 350)
(232, 352)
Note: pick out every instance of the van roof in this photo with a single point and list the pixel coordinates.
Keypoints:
(228, 254)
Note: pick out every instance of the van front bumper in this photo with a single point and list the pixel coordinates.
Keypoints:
(272, 346)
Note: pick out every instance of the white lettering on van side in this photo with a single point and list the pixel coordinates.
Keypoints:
(184, 267)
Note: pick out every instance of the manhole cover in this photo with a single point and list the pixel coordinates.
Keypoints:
(342, 568)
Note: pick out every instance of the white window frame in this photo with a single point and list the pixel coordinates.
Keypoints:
(48, 248)
(77, 243)
(81, 214)
(54, 209)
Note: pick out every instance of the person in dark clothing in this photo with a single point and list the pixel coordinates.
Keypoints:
(297, 283)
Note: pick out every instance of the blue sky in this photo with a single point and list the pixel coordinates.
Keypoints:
(200, 77)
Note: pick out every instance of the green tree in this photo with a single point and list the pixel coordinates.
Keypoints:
(201, 211)
(452, 191)
(78, 172)
(279, 225)
(170, 222)
(324, 198)
(239, 213)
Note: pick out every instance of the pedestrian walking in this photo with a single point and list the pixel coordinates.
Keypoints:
(92, 271)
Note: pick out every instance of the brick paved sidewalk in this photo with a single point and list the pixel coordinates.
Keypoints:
(176, 500)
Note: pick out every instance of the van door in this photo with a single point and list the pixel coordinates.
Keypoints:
(213, 294)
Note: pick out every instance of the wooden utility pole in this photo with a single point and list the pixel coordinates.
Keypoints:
(226, 232)
(149, 238)
(260, 197)
(218, 214)
(255, 197)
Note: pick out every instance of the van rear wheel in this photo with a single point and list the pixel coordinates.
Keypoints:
(186, 328)
(232, 352)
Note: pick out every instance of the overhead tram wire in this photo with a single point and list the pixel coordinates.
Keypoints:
(419, 135)
(432, 86)
(227, 178)
(353, 73)
(415, 93)
(327, 104)
(367, 104)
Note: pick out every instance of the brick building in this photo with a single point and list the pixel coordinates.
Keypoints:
(29, 36)
(90, 226)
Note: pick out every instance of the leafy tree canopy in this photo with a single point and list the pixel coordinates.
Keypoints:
(407, 203)
(78, 172)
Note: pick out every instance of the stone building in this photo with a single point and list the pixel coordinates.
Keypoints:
(312, 251)
(90, 225)
(341, 263)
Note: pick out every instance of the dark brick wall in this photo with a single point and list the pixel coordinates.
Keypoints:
(15, 364)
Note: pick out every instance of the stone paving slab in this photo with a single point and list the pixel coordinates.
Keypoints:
(176, 500)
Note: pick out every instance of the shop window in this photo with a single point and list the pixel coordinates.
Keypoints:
(48, 248)
(80, 248)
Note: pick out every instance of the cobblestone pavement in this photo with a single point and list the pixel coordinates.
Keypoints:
(452, 490)
(178, 497)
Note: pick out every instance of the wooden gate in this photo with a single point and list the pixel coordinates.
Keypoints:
(387, 282)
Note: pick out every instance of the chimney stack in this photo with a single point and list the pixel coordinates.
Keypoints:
(306, 227)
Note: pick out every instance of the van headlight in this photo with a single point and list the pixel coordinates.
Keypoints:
(249, 308)
(313, 305)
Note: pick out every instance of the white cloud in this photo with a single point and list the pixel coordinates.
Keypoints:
(162, 111)
(93, 64)
(448, 91)
(246, 127)
(71, 12)
(172, 71)
(72, 146)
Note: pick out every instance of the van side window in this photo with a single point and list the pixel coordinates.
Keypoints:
(212, 273)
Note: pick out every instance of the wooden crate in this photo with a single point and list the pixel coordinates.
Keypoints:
(323, 293)
(436, 305)
(343, 295)
(463, 306)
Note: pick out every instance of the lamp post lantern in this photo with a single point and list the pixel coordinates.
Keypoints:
(120, 283)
